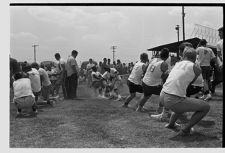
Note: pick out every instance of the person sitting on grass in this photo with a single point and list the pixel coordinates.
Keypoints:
(134, 81)
(173, 94)
(23, 95)
(45, 81)
(97, 82)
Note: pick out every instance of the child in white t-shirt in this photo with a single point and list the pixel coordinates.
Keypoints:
(113, 82)
(23, 95)
(97, 82)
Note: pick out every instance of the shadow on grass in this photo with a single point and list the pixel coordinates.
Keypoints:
(196, 136)
(206, 124)
(26, 115)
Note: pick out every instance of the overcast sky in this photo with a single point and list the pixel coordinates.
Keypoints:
(93, 30)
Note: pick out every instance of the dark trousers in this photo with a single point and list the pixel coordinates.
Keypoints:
(71, 86)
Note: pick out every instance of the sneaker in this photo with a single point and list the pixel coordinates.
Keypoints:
(160, 117)
(18, 113)
(57, 96)
(176, 127)
(202, 97)
(208, 97)
(118, 99)
(51, 103)
(139, 109)
(183, 133)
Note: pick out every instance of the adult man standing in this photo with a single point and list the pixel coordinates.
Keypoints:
(218, 65)
(219, 45)
(61, 77)
(72, 75)
(205, 55)
(104, 64)
(89, 71)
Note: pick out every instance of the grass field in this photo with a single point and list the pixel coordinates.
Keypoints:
(99, 123)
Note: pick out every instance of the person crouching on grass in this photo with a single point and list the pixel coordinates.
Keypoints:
(113, 80)
(97, 82)
(45, 82)
(173, 94)
(23, 95)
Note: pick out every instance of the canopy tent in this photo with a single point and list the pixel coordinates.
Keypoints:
(174, 47)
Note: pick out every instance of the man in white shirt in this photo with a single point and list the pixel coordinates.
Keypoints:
(219, 45)
(61, 75)
(89, 70)
(23, 95)
(34, 77)
(205, 55)
(218, 65)
(173, 94)
(72, 75)
(134, 81)
(153, 79)
(113, 79)
(45, 81)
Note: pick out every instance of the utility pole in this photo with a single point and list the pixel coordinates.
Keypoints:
(35, 51)
(183, 15)
(178, 29)
(113, 48)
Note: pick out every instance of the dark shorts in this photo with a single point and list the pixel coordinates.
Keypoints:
(149, 90)
(133, 88)
(206, 72)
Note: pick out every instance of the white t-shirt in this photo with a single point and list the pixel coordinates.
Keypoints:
(179, 78)
(219, 47)
(22, 88)
(46, 81)
(136, 73)
(35, 80)
(97, 74)
(106, 75)
(153, 74)
(89, 66)
(70, 62)
(205, 55)
(113, 73)
(199, 81)
(59, 64)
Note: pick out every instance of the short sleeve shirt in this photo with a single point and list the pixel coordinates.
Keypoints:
(219, 47)
(46, 81)
(70, 62)
(205, 55)
(22, 88)
(35, 80)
